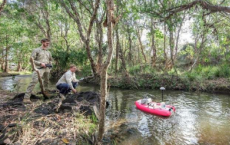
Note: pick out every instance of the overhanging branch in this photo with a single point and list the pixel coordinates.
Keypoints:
(204, 4)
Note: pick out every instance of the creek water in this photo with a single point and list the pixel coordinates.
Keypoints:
(200, 118)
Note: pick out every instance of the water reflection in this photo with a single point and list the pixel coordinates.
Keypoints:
(199, 118)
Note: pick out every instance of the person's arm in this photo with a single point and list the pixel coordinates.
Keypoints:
(50, 58)
(68, 78)
(34, 56)
(74, 78)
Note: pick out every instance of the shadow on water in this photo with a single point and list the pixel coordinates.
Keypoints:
(200, 118)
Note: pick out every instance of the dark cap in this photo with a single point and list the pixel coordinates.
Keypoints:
(45, 40)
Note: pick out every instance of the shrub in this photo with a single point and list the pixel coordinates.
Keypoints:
(86, 71)
(224, 71)
(135, 69)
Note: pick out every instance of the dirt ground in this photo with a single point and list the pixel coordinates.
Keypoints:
(38, 123)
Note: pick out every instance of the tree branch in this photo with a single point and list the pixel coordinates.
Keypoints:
(204, 4)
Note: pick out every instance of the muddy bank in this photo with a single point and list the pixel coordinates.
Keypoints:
(39, 123)
(171, 82)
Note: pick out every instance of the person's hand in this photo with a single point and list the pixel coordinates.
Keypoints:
(43, 65)
(74, 91)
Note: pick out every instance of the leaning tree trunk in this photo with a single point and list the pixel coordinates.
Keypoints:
(75, 15)
(117, 51)
(141, 45)
(103, 87)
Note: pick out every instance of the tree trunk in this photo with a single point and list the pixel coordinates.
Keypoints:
(117, 51)
(178, 38)
(99, 39)
(154, 50)
(141, 45)
(6, 68)
(165, 53)
(130, 45)
(19, 67)
(103, 87)
(2, 61)
(171, 45)
(74, 14)
(123, 63)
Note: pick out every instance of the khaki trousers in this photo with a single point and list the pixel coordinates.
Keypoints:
(44, 73)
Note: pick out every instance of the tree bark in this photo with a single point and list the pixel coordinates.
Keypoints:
(117, 51)
(99, 39)
(204, 4)
(103, 88)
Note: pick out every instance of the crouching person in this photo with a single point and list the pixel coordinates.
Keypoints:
(67, 82)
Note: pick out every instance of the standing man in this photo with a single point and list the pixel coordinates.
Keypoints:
(41, 57)
(67, 82)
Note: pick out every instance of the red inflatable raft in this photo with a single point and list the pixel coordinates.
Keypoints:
(155, 108)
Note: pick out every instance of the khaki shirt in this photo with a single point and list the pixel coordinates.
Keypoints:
(41, 56)
(67, 78)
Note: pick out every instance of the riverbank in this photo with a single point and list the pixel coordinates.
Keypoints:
(36, 124)
(13, 73)
(170, 82)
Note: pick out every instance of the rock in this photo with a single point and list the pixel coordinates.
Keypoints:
(12, 125)
(7, 141)
(1, 127)
(46, 108)
(20, 97)
(86, 110)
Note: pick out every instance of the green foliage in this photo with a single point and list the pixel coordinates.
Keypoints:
(138, 69)
(86, 70)
(208, 72)
(135, 69)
